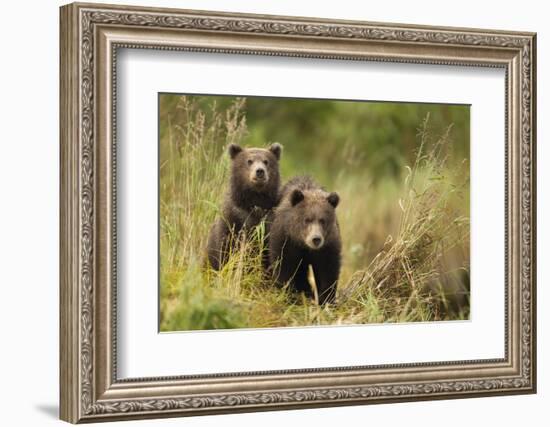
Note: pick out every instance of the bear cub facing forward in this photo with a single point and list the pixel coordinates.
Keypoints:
(253, 192)
(304, 233)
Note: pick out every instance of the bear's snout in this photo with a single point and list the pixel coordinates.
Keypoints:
(314, 237)
(260, 173)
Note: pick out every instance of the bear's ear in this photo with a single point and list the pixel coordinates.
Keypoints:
(333, 199)
(296, 197)
(276, 149)
(234, 149)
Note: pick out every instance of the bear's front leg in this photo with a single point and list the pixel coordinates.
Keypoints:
(285, 262)
(254, 217)
(326, 271)
(218, 247)
(300, 282)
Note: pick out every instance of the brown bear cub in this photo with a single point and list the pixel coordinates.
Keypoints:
(254, 191)
(305, 232)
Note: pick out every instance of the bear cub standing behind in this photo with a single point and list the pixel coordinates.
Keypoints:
(254, 191)
(305, 232)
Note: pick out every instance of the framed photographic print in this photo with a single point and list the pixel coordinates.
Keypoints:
(265, 212)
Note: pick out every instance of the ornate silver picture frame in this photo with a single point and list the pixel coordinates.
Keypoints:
(91, 34)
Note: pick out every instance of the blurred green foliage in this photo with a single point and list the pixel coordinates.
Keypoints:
(403, 181)
(331, 136)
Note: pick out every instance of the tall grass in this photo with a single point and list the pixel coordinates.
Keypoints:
(411, 273)
(405, 243)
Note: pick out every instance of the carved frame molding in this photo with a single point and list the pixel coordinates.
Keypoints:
(90, 37)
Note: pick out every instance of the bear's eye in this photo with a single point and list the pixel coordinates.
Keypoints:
(266, 162)
(309, 220)
(322, 221)
(250, 162)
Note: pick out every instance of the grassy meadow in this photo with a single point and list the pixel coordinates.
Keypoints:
(402, 173)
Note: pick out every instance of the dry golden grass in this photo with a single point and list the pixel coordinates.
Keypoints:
(405, 243)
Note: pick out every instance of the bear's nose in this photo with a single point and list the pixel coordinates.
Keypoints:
(260, 173)
(316, 241)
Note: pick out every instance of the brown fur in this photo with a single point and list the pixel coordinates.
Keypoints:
(253, 192)
(305, 231)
